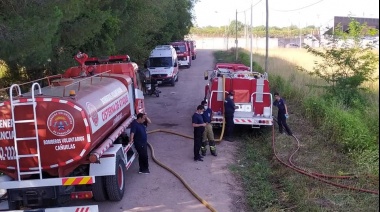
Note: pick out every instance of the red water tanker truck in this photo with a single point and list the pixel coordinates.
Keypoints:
(251, 95)
(68, 140)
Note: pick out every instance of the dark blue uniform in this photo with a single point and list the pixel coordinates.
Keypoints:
(281, 119)
(229, 110)
(207, 115)
(140, 140)
(198, 134)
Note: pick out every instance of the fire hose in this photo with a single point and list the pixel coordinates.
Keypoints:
(291, 165)
(317, 176)
(224, 121)
(203, 201)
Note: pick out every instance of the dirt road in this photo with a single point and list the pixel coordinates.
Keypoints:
(211, 179)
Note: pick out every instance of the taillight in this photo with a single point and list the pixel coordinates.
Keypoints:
(81, 195)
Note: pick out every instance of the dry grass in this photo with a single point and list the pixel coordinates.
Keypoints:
(299, 57)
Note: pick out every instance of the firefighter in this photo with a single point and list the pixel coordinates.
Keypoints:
(139, 138)
(229, 110)
(208, 134)
(282, 114)
(199, 128)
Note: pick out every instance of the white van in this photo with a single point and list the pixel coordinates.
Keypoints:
(163, 64)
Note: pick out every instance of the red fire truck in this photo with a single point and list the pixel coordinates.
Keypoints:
(183, 53)
(193, 49)
(68, 140)
(252, 95)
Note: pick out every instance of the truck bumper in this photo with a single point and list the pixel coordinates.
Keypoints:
(164, 80)
(86, 208)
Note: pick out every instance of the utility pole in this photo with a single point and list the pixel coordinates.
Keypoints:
(236, 38)
(266, 36)
(225, 36)
(251, 35)
(300, 29)
(245, 29)
(228, 31)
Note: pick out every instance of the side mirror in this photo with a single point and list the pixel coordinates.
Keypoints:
(206, 75)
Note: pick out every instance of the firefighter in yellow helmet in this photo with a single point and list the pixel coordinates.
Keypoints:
(208, 134)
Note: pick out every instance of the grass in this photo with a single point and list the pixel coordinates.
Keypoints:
(270, 186)
(300, 57)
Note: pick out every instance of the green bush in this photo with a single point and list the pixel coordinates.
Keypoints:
(315, 110)
(348, 128)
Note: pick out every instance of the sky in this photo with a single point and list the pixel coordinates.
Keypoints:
(282, 13)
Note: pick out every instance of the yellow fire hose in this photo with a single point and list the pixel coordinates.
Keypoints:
(223, 98)
(204, 202)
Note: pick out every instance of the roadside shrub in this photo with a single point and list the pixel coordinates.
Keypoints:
(368, 161)
(347, 127)
(315, 110)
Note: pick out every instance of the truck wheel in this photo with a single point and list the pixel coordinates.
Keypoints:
(172, 82)
(13, 205)
(176, 79)
(115, 184)
(99, 190)
(193, 57)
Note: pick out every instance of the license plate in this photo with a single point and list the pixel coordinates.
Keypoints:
(159, 82)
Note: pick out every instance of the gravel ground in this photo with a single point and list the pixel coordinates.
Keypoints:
(210, 179)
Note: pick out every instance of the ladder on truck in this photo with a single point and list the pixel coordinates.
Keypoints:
(30, 102)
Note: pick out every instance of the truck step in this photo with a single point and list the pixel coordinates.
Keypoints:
(24, 121)
(28, 156)
(22, 103)
(31, 172)
(25, 139)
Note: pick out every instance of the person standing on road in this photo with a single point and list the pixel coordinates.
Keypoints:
(140, 139)
(229, 110)
(208, 134)
(199, 128)
(282, 114)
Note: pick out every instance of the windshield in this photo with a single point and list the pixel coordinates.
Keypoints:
(181, 48)
(160, 62)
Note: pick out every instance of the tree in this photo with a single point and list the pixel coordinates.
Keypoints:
(40, 37)
(232, 27)
(347, 64)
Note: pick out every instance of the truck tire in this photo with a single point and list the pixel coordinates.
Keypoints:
(99, 189)
(13, 205)
(172, 82)
(176, 79)
(115, 184)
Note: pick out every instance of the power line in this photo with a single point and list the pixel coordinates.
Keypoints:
(301, 8)
(250, 7)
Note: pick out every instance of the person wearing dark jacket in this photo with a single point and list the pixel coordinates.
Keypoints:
(208, 134)
(199, 128)
(282, 114)
(140, 140)
(229, 110)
